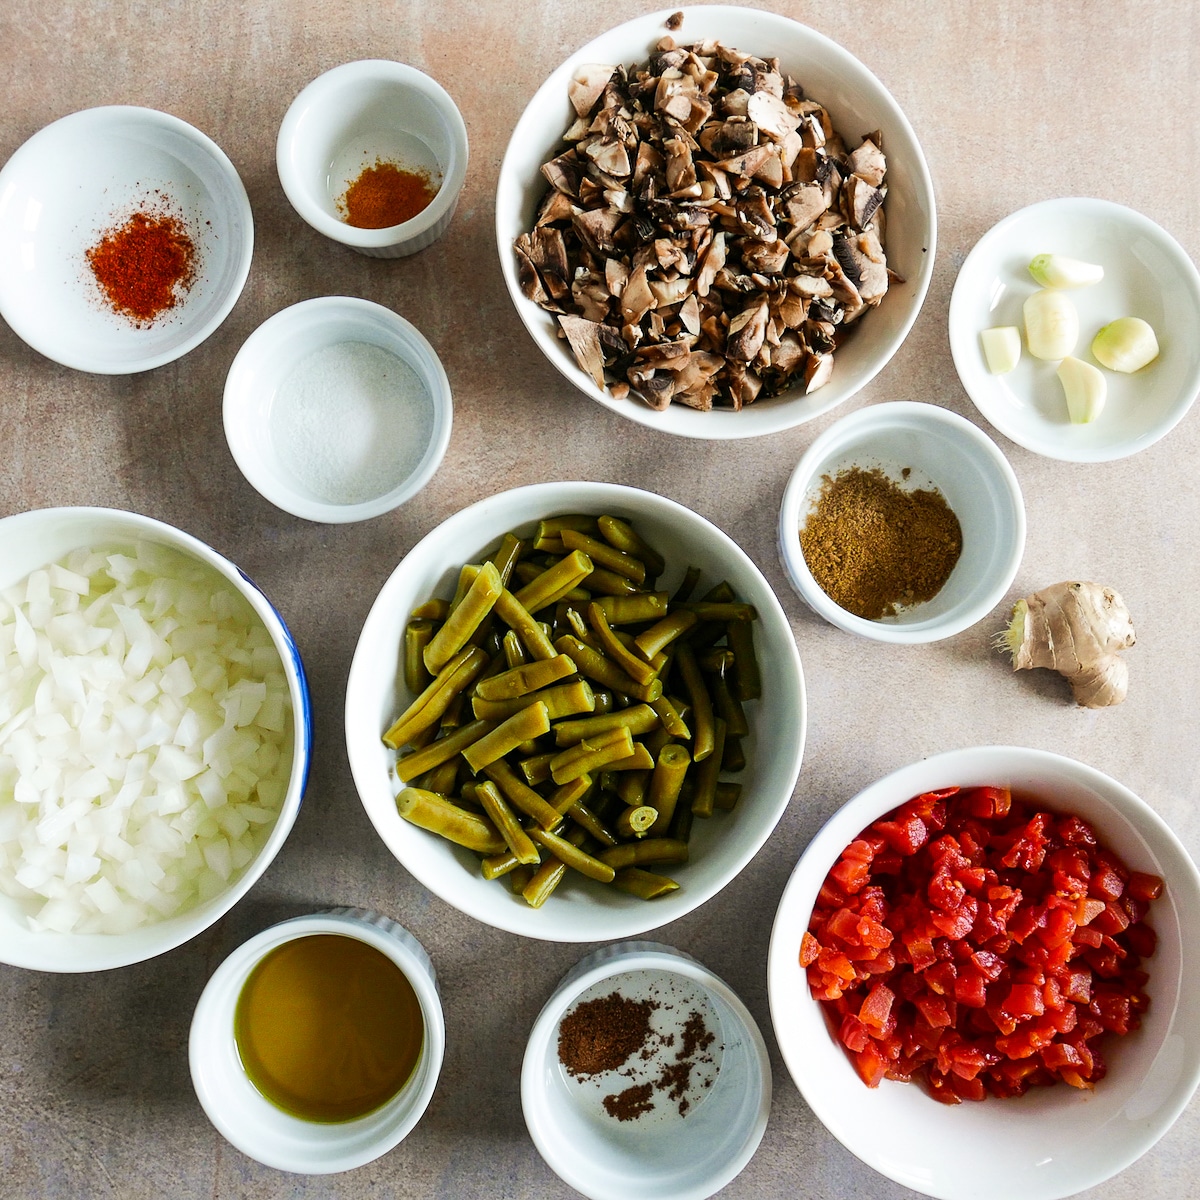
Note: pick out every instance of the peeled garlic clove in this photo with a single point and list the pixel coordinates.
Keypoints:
(1001, 348)
(1051, 325)
(1126, 344)
(1060, 271)
(1085, 389)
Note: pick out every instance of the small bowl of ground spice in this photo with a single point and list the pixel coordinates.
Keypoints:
(125, 239)
(903, 522)
(373, 154)
(645, 1075)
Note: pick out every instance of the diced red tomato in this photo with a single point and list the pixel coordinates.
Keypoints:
(980, 945)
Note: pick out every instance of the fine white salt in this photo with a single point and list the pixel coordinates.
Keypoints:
(350, 422)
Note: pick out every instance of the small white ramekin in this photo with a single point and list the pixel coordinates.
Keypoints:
(612, 1160)
(266, 359)
(941, 449)
(372, 107)
(251, 1122)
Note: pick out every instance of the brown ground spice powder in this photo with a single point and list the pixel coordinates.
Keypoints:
(600, 1035)
(874, 547)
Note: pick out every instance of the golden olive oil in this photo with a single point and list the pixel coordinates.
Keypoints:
(328, 1028)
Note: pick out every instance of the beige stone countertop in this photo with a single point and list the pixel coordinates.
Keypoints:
(1013, 103)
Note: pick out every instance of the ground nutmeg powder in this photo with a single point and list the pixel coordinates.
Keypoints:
(874, 547)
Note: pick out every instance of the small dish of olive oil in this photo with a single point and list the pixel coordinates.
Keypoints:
(328, 1028)
(316, 1046)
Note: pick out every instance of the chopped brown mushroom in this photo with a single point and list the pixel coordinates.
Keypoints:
(707, 235)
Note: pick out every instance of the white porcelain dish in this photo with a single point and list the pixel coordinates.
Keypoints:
(858, 104)
(661, 1153)
(79, 177)
(938, 448)
(256, 1126)
(34, 539)
(579, 910)
(1052, 1142)
(312, 473)
(355, 115)
(1147, 274)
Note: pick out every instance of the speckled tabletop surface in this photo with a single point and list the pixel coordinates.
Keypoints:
(1012, 103)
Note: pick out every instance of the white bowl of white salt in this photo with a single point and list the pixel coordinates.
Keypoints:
(337, 409)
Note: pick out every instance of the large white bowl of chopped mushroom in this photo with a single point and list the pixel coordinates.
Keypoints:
(716, 222)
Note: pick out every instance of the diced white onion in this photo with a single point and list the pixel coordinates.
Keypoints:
(145, 738)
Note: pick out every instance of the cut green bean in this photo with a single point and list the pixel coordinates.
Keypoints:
(543, 881)
(705, 795)
(605, 556)
(416, 637)
(691, 577)
(565, 700)
(512, 550)
(636, 668)
(747, 682)
(555, 582)
(529, 723)
(662, 633)
(591, 754)
(514, 652)
(644, 884)
(729, 707)
(627, 610)
(648, 850)
(574, 857)
(427, 709)
(665, 782)
(631, 787)
(564, 797)
(636, 822)
(464, 619)
(536, 767)
(494, 865)
(431, 610)
(506, 822)
(519, 619)
(409, 766)
(734, 758)
(733, 610)
(586, 819)
(605, 672)
(521, 796)
(608, 583)
(727, 795)
(672, 720)
(639, 760)
(702, 710)
(436, 814)
(528, 677)
(638, 719)
(623, 536)
(442, 779)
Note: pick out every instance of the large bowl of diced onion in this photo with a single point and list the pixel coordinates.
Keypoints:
(155, 737)
(1048, 1137)
(719, 844)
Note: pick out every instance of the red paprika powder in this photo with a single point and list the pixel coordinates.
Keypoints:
(144, 266)
(386, 195)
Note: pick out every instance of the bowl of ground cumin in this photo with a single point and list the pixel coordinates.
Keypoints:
(125, 239)
(645, 1075)
(903, 522)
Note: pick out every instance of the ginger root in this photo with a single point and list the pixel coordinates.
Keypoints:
(1078, 630)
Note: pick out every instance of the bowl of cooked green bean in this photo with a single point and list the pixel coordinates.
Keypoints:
(576, 711)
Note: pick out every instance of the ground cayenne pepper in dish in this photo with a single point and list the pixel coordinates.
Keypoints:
(384, 195)
(874, 547)
(981, 944)
(144, 266)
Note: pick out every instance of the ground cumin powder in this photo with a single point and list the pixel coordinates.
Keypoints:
(874, 547)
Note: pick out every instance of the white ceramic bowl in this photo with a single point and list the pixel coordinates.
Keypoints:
(336, 453)
(1147, 274)
(1052, 1142)
(858, 104)
(251, 1122)
(579, 910)
(360, 113)
(77, 178)
(943, 450)
(660, 1153)
(34, 539)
